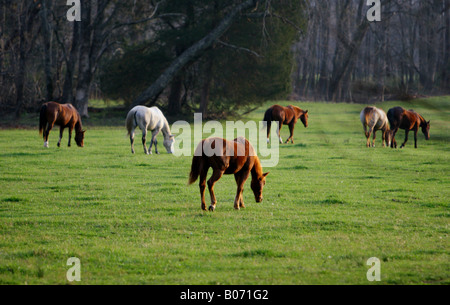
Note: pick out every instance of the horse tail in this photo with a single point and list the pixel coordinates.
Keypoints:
(131, 121)
(197, 163)
(268, 115)
(42, 118)
(196, 167)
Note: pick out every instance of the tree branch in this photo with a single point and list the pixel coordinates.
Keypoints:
(196, 50)
(239, 48)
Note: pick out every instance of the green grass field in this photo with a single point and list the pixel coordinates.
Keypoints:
(329, 206)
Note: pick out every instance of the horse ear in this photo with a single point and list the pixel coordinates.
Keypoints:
(265, 174)
(171, 136)
(429, 122)
(306, 111)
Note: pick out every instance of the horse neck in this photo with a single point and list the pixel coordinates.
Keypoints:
(78, 125)
(298, 112)
(257, 170)
(422, 120)
(166, 129)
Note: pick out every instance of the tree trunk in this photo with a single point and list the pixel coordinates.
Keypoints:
(20, 78)
(343, 64)
(204, 98)
(67, 95)
(193, 52)
(175, 95)
(46, 47)
(84, 65)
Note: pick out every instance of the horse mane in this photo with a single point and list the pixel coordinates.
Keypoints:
(257, 170)
(166, 128)
(297, 110)
(78, 124)
(422, 120)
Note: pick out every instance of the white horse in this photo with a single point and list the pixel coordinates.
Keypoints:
(375, 119)
(149, 119)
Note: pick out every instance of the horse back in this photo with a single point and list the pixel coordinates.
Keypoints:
(366, 115)
(278, 113)
(235, 155)
(395, 117)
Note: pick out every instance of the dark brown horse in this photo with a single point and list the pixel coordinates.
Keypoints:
(236, 157)
(285, 115)
(407, 120)
(65, 116)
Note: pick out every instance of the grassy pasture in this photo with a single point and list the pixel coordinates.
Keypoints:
(329, 206)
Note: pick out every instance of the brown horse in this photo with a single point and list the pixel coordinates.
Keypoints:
(236, 157)
(285, 115)
(65, 116)
(407, 120)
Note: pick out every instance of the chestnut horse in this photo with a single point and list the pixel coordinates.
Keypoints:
(375, 119)
(65, 116)
(236, 157)
(407, 120)
(285, 115)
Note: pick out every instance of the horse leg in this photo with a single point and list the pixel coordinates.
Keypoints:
(46, 133)
(291, 131)
(393, 142)
(61, 130)
(374, 137)
(217, 174)
(406, 138)
(383, 138)
(269, 124)
(280, 124)
(415, 137)
(70, 136)
(132, 140)
(240, 180)
(368, 133)
(144, 142)
(202, 185)
(154, 141)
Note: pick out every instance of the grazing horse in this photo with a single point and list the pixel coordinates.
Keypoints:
(375, 119)
(285, 115)
(407, 120)
(236, 157)
(149, 119)
(63, 115)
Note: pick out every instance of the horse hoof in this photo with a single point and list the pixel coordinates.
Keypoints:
(46, 144)
(211, 208)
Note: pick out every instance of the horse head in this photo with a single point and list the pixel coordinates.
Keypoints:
(79, 137)
(388, 135)
(426, 129)
(304, 118)
(257, 186)
(168, 143)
